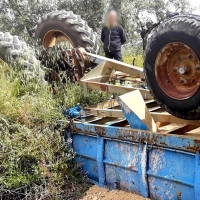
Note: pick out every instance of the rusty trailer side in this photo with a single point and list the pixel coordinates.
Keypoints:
(119, 151)
(154, 165)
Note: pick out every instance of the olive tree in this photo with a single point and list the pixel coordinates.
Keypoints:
(90, 10)
(142, 16)
(137, 17)
(20, 16)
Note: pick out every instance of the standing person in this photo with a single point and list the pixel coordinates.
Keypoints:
(113, 37)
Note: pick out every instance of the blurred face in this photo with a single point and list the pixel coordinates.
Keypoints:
(112, 18)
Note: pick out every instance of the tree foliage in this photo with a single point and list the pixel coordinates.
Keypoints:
(143, 16)
(90, 10)
(20, 16)
(137, 17)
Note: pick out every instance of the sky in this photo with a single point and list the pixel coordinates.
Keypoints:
(196, 4)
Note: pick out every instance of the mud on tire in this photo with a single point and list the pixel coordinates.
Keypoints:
(65, 25)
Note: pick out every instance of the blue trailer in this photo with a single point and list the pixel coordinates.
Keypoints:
(130, 143)
(124, 158)
(158, 165)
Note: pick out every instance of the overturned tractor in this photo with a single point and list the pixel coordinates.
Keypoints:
(171, 66)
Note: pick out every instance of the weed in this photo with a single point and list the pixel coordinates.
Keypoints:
(35, 160)
(139, 60)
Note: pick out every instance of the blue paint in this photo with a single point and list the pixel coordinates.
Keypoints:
(100, 165)
(154, 165)
(114, 154)
(72, 112)
(111, 160)
(124, 179)
(134, 121)
(171, 174)
(89, 166)
(164, 140)
(197, 177)
(169, 164)
(88, 144)
(142, 170)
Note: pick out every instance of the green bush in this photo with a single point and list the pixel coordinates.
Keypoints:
(39, 162)
(35, 160)
(30, 103)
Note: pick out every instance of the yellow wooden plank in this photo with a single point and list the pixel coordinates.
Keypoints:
(101, 72)
(107, 104)
(116, 89)
(179, 129)
(105, 112)
(166, 117)
(171, 127)
(122, 67)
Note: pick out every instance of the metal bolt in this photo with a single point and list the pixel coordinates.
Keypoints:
(197, 67)
(182, 70)
(190, 56)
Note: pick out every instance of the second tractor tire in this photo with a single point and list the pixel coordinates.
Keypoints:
(184, 30)
(68, 24)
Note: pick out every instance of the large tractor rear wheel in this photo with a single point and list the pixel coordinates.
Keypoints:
(172, 66)
(12, 49)
(65, 26)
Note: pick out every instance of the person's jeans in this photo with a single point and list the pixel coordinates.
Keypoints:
(117, 55)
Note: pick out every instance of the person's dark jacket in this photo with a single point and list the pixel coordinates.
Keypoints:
(113, 38)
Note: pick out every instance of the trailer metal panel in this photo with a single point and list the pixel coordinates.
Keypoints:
(151, 171)
(119, 152)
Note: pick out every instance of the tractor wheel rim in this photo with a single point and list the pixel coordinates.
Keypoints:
(53, 37)
(177, 70)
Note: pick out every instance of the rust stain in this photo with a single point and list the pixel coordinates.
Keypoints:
(180, 77)
(100, 130)
(194, 149)
(140, 136)
(131, 167)
(133, 138)
(178, 195)
(163, 143)
(196, 141)
(154, 196)
(94, 169)
(78, 130)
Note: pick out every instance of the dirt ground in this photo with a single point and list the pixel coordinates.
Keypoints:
(97, 193)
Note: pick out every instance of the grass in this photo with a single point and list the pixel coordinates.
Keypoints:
(128, 58)
(30, 103)
(35, 160)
